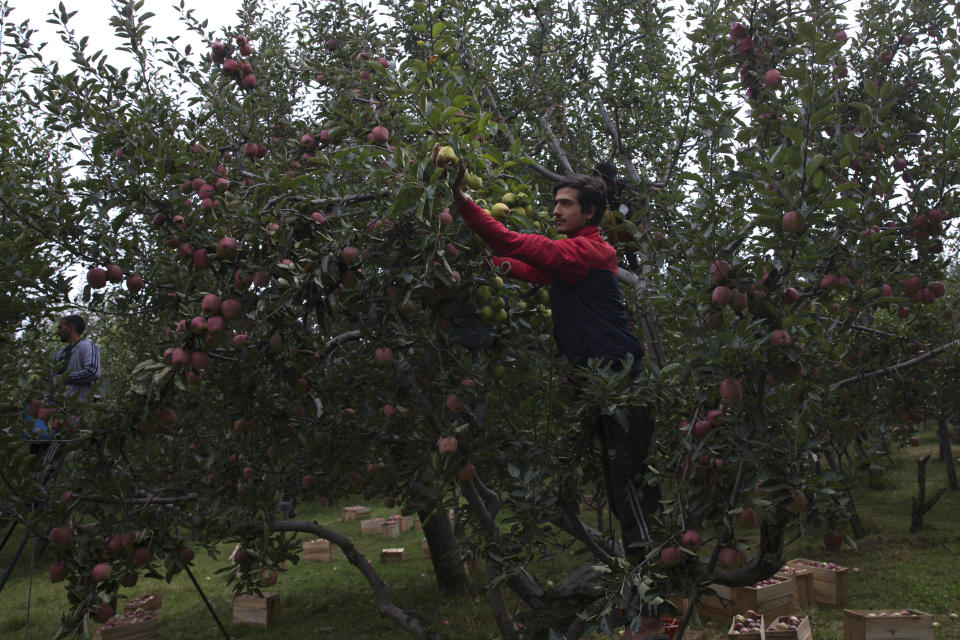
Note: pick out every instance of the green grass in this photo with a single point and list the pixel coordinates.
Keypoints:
(331, 600)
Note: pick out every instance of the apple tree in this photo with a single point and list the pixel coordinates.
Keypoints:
(316, 322)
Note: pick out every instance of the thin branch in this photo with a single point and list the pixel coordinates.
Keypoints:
(678, 147)
(336, 341)
(618, 143)
(897, 367)
(351, 199)
(552, 141)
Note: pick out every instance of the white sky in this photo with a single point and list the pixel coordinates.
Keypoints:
(92, 19)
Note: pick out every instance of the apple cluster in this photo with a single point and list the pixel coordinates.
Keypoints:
(239, 70)
(785, 623)
(747, 622)
(98, 278)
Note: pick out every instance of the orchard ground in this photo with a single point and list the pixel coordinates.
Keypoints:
(319, 599)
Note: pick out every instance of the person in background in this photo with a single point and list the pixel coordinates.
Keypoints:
(77, 365)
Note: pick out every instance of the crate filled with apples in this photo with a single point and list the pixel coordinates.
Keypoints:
(149, 602)
(129, 625)
(790, 628)
(802, 579)
(829, 581)
(772, 597)
(887, 624)
(748, 625)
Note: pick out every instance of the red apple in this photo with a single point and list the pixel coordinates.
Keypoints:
(57, 571)
(97, 278)
(731, 390)
(467, 472)
(231, 309)
(447, 446)
(226, 247)
(833, 540)
(671, 556)
(728, 558)
(747, 519)
(101, 572)
(210, 304)
(798, 501)
(350, 254)
(720, 296)
(779, 338)
(134, 284)
(379, 135)
(719, 270)
(454, 403)
(772, 79)
(794, 222)
(690, 539)
(60, 537)
(383, 355)
(115, 274)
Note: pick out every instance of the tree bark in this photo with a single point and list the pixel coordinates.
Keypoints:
(920, 504)
(946, 454)
(445, 554)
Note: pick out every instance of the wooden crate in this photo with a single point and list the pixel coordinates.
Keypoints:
(770, 600)
(390, 529)
(882, 625)
(356, 512)
(406, 523)
(259, 611)
(148, 602)
(391, 555)
(587, 503)
(829, 584)
(802, 632)
(803, 593)
(372, 525)
(424, 548)
(320, 550)
(756, 635)
(134, 630)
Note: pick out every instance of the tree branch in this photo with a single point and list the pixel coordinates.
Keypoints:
(618, 143)
(336, 341)
(351, 199)
(406, 621)
(885, 370)
(552, 141)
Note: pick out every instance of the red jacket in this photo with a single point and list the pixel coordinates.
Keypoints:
(588, 315)
(536, 258)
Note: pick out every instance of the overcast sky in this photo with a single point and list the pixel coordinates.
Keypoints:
(93, 15)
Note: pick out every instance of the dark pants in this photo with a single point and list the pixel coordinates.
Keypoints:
(625, 452)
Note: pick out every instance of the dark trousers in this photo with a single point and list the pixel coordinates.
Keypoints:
(631, 500)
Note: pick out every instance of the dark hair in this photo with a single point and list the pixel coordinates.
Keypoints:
(591, 192)
(76, 322)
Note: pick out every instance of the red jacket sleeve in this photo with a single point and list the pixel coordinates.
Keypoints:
(561, 258)
(521, 270)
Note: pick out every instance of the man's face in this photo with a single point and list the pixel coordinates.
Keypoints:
(64, 331)
(567, 214)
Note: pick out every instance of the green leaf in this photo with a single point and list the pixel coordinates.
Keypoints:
(438, 28)
(793, 133)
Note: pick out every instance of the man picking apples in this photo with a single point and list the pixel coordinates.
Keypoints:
(588, 322)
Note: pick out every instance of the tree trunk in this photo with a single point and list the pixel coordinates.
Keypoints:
(920, 504)
(946, 455)
(856, 524)
(445, 554)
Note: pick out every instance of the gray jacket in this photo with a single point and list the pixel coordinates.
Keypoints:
(80, 365)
